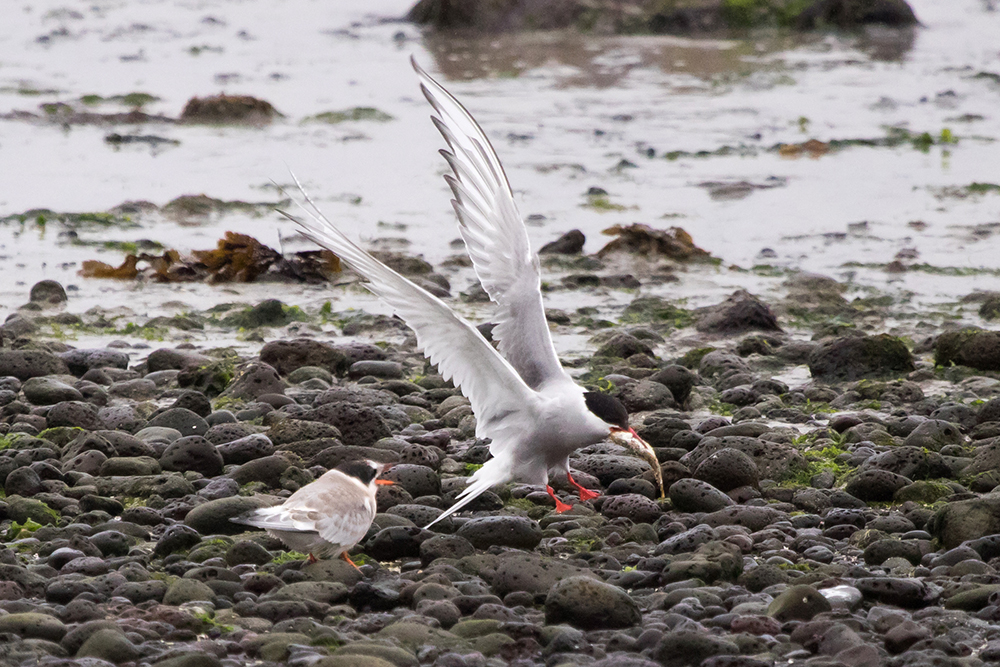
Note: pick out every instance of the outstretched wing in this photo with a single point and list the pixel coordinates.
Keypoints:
(497, 393)
(495, 237)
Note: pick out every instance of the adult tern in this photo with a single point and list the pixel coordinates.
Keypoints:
(532, 411)
(327, 517)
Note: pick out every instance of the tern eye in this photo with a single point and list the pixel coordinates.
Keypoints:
(608, 408)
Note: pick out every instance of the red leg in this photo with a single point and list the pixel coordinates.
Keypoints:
(343, 554)
(312, 559)
(560, 505)
(585, 494)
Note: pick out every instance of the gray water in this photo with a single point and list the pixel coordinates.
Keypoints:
(563, 112)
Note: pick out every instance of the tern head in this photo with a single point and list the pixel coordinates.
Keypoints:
(611, 411)
(365, 470)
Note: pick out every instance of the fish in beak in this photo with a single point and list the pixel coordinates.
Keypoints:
(629, 439)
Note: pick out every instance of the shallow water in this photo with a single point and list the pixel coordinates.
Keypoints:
(563, 112)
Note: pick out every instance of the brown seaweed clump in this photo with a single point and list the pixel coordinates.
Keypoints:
(639, 239)
(237, 258)
(229, 109)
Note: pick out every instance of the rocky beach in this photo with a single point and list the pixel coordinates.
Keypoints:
(772, 238)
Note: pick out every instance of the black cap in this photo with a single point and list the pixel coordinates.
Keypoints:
(362, 470)
(607, 407)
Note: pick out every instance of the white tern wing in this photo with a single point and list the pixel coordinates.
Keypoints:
(495, 237)
(502, 402)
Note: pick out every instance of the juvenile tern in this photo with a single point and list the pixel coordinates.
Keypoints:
(327, 517)
(532, 411)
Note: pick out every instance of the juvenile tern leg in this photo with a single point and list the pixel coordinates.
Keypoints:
(560, 505)
(585, 494)
(343, 554)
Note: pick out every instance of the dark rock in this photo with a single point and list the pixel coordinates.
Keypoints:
(623, 345)
(49, 391)
(774, 460)
(761, 577)
(379, 369)
(590, 604)
(638, 508)
(710, 562)
(570, 243)
(33, 625)
(956, 522)
(687, 648)
(848, 14)
(529, 572)
(286, 356)
(875, 485)
(909, 593)
(111, 645)
(693, 495)
(416, 479)
(76, 414)
(397, 542)
(165, 359)
(855, 357)
(727, 469)
(879, 551)
(176, 538)
(47, 293)
(445, 546)
(192, 453)
(111, 543)
(739, 313)
(246, 449)
(934, 434)
(969, 347)
(247, 552)
(904, 635)
(210, 377)
(609, 467)
(754, 517)
(645, 395)
(138, 592)
(265, 469)
(181, 419)
(686, 541)
(81, 361)
(622, 487)
(799, 602)
(195, 401)
(26, 364)
(359, 425)
(296, 430)
(910, 462)
(678, 379)
(989, 411)
(510, 531)
(255, 379)
(213, 517)
(23, 482)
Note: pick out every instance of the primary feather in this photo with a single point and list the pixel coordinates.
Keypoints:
(495, 238)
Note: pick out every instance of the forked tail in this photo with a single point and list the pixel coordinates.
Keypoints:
(493, 473)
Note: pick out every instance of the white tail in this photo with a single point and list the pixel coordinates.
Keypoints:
(493, 473)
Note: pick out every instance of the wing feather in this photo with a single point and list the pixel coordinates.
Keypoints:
(496, 239)
(494, 388)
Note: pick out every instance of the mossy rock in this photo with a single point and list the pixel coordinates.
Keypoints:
(974, 348)
(854, 357)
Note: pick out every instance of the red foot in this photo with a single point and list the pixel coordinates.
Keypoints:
(560, 505)
(343, 554)
(312, 559)
(585, 494)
